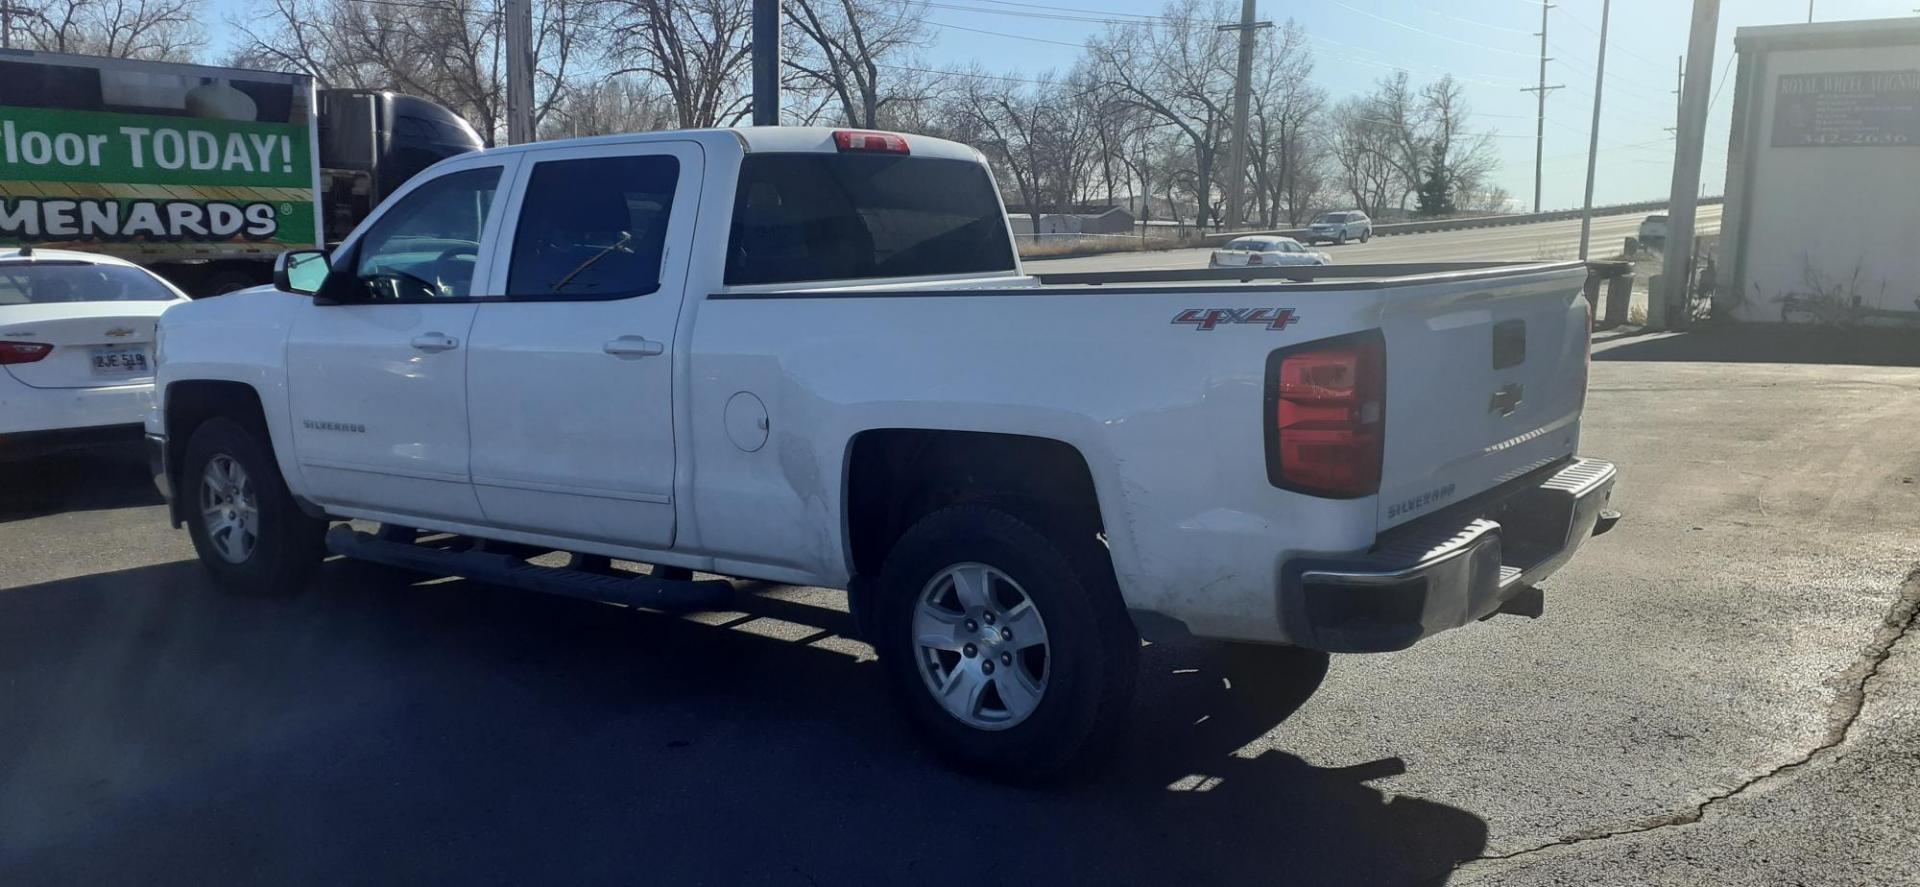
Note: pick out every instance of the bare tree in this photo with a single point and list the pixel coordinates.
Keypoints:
(1284, 153)
(844, 48)
(1180, 69)
(167, 30)
(1009, 122)
(1464, 159)
(1366, 151)
(616, 105)
(450, 51)
(698, 51)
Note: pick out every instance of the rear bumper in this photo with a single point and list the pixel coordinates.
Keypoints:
(1447, 570)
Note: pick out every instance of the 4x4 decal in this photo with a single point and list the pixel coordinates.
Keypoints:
(1205, 319)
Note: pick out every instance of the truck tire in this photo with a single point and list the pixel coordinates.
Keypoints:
(245, 526)
(1007, 644)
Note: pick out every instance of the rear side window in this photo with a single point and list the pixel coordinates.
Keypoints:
(594, 228)
(41, 283)
(800, 217)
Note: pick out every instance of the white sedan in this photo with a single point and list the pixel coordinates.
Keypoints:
(76, 348)
(1264, 251)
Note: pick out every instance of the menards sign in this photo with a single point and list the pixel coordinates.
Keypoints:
(154, 159)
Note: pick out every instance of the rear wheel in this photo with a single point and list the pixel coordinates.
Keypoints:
(1007, 644)
(245, 526)
(1366, 235)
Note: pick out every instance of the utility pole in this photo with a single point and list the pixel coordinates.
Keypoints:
(1242, 94)
(1540, 120)
(1593, 133)
(766, 62)
(7, 12)
(1679, 84)
(519, 71)
(1672, 301)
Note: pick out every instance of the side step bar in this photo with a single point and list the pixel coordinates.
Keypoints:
(677, 596)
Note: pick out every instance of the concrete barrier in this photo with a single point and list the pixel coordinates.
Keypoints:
(1469, 223)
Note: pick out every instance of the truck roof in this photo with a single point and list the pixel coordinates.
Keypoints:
(783, 139)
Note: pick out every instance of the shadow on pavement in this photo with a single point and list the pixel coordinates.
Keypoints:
(371, 731)
(1771, 344)
(112, 477)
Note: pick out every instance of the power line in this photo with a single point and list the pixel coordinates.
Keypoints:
(1477, 24)
(1417, 30)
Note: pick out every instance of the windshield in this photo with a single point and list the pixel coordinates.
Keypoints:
(1331, 219)
(38, 283)
(845, 216)
(1251, 244)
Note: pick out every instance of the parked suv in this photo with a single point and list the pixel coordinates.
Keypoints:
(1340, 227)
(1653, 231)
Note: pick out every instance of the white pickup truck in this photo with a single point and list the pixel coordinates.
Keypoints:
(811, 356)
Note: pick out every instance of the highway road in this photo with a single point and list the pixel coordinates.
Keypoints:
(1543, 240)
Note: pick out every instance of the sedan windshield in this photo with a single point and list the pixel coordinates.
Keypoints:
(1252, 245)
(38, 283)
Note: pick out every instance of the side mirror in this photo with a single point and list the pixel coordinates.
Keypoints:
(300, 271)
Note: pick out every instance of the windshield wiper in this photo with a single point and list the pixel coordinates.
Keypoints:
(620, 245)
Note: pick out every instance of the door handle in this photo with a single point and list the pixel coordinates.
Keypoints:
(629, 347)
(435, 342)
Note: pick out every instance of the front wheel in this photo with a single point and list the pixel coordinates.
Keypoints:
(1341, 240)
(245, 526)
(1007, 644)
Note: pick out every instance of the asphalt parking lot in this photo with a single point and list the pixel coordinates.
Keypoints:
(1720, 691)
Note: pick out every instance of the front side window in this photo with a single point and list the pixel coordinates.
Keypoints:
(425, 247)
(594, 228)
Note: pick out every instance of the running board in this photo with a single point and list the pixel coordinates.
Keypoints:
(637, 590)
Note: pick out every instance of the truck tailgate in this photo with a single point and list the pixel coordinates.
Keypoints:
(1485, 382)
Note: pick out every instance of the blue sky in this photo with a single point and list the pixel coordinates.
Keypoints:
(1488, 44)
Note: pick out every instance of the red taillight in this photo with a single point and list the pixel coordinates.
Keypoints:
(1327, 413)
(1253, 259)
(867, 140)
(23, 352)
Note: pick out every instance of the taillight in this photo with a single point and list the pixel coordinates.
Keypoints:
(1253, 259)
(23, 352)
(1326, 416)
(867, 140)
(1586, 352)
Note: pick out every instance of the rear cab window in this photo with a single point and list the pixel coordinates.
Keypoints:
(801, 217)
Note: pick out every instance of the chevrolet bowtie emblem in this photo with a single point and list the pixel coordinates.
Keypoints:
(120, 332)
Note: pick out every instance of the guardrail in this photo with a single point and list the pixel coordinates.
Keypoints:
(1390, 230)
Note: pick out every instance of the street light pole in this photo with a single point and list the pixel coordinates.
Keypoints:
(766, 62)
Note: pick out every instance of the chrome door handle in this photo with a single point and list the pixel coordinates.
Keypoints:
(434, 342)
(629, 347)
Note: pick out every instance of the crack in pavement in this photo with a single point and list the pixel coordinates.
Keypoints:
(1842, 713)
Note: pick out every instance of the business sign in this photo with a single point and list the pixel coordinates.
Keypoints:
(153, 159)
(1858, 108)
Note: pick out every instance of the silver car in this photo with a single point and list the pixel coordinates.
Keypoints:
(1340, 227)
(1265, 251)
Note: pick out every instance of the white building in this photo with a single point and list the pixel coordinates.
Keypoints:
(1822, 216)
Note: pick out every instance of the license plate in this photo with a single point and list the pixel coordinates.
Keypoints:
(116, 361)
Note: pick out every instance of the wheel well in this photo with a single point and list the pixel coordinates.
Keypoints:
(897, 475)
(189, 404)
